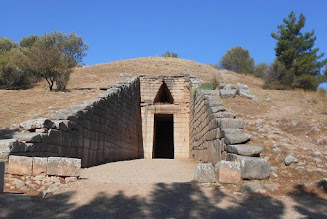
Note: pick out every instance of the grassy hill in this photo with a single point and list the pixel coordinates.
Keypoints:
(285, 122)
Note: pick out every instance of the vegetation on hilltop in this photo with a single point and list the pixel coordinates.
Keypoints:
(170, 54)
(238, 60)
(51, 57)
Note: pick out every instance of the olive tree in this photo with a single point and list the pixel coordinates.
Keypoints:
(53, 57)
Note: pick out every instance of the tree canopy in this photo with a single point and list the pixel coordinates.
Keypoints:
(51, 57)
(238, 60)
(295, 51)
(170, 54)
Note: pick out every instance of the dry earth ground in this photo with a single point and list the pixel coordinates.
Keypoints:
(156, 189)
(291, 122)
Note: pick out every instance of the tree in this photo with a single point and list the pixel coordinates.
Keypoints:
(14, 73)
(295, 51)
(278, 77)
(238, 60)
(53, 57)
(170, 54)
(261, 70)
(6, 44)
(29, 41)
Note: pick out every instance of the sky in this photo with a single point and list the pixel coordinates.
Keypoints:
(196, 30)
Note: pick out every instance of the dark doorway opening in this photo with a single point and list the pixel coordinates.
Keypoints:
(163, 146)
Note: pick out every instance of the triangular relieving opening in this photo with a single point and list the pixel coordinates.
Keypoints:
(164, 95)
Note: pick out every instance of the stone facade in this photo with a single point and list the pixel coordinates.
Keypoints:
(177, 105)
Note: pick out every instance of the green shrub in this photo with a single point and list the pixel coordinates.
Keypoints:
(278, 77)
(261, 70)
(170, 54)
(238, 60)
(14, 72)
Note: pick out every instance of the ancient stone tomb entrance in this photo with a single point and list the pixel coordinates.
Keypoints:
(163, 144)
(165, 111)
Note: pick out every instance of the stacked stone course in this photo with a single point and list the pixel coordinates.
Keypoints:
(216, 137)
(107, 128)
(207, 144)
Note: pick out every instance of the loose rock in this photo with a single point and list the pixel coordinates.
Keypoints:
(323, 184)
(290, 159)
(317, 154)
(251, 187)
(70, 179)
(45, 193)
(271, 187)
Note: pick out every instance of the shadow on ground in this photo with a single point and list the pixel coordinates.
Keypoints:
(177, 200)
(308, 203)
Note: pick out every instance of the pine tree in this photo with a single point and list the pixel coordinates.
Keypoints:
(295, 51)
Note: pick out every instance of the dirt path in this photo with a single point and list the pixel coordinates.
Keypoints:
(155, 189)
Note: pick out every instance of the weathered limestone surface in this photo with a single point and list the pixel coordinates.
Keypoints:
(227, 93)
(20, 165)
(228, 172)
(237, 138)
(245, 150)
(40, 165)
(252, 167)
(230, 90)
(61, 166)
(205, 173)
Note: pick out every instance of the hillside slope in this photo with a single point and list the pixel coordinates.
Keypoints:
(284, 122)
(18, 106)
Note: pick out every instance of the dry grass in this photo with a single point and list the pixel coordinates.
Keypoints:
(21, 105)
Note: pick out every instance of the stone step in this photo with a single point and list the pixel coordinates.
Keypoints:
(224, 114)
(237, 138)
(223, 132)
(253, 168)
(228, 123)
(245, 150)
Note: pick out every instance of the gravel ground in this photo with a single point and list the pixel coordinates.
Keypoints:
(155, 189)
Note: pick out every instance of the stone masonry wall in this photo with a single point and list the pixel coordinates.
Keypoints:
(107, 128)
(208, 121)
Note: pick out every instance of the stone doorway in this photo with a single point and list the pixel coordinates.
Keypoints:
(165, 98)
(163, 143)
